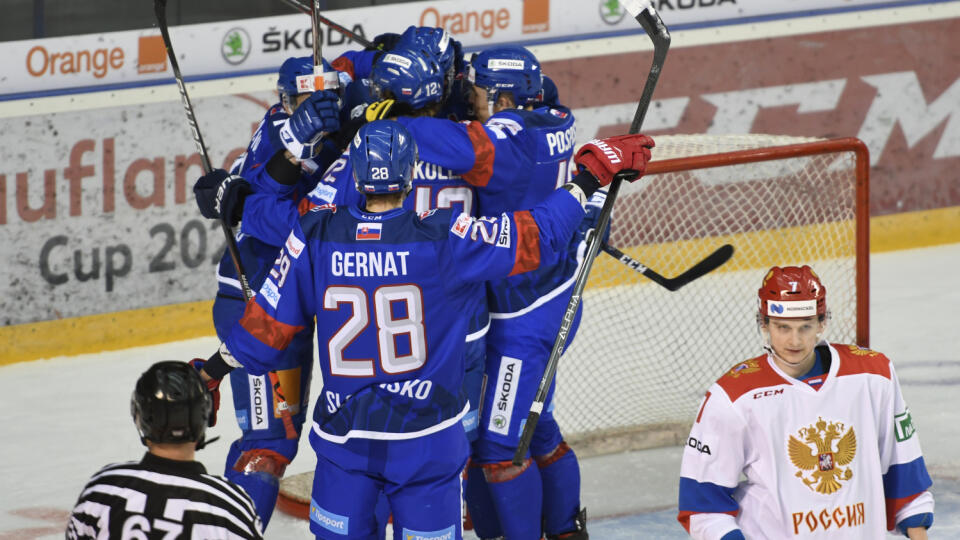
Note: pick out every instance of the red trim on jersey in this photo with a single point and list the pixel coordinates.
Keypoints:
(305, 206)
(702, 407)
(528, 243)
(265, 328)
(546, 460)
(504, 471)
(484, 151)
(345, 65)
(748, 376)
(854, 361)
(895, 505)
(684, 517)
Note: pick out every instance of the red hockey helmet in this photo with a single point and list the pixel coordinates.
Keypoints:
(792, 292)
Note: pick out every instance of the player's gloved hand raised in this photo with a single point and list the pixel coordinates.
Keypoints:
(219, 193)
(379, 110)
(213, 385)
(317, 116)
(606, 157)
(384, 42)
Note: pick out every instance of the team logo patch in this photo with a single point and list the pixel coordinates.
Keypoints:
(462, 226)
(903, 426)
(743, 368)
(860, 351)
(398, 60)
(270, 292)
(369, 231)
(505, 393)
(324, 193)
(504, 63)
(824, 451)
(793, 308)
(445, 534)
(258, 402)
(328, 520)
(504, 239)
(294, 246)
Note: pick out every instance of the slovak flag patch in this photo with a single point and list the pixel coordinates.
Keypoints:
(368, 231)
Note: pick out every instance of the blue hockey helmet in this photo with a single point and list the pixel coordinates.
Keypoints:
(512, 68)
(548, 94)
(412, 76)
(296, 77)
(437, 42)
(382, 155)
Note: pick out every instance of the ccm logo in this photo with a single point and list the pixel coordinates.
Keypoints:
(767, 393)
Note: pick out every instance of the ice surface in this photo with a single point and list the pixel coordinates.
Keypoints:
(63, 418)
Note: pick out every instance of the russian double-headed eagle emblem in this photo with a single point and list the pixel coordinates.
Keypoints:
(825, 463)
(750, 366)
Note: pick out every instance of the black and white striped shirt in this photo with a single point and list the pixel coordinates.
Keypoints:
(162, 498)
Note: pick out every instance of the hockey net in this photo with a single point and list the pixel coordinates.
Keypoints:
(643, 356)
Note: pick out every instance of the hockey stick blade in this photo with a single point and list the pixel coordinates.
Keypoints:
(645, 14)
(710, 263)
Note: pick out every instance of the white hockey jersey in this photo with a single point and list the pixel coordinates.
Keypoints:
(843, 461)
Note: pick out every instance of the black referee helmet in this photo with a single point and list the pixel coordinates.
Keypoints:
(171, 404)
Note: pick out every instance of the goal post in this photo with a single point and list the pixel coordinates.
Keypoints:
(643, 356)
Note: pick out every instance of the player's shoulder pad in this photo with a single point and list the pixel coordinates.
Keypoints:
(316, 215)
(749, 375)
(855, 360)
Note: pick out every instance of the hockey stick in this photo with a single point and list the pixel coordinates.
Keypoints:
(301, 5)
(702, 268)
(160, 9)
(645, 14)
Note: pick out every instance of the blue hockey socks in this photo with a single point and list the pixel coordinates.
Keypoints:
(560, 474)
(517, 495)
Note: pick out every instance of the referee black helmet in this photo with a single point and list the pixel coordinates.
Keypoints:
(171, 404)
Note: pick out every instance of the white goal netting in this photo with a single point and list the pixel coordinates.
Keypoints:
(644, 356)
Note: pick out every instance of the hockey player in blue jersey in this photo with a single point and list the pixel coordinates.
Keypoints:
(258, 459)
(386, 286)
(516, 157)
(413, 81)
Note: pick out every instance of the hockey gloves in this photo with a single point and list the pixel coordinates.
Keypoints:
(213, 385)
(379, 110)
(219, 194)
(317, 116)
(604, 158)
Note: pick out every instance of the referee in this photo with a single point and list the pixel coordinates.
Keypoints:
(166, 494)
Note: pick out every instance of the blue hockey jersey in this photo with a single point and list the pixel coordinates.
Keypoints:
(515, 159)
(387, 291)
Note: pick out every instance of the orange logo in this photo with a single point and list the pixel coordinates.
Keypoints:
(152, 55)
(536, 16)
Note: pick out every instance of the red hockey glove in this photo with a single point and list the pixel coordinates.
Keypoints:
(606, 157)
(213, 385)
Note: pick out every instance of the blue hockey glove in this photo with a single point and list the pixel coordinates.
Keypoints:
(219, 193)
(313, 119)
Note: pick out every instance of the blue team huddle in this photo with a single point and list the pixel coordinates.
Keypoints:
(422, 222)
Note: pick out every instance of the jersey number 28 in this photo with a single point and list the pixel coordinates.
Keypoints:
(390, 330)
